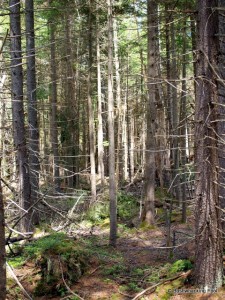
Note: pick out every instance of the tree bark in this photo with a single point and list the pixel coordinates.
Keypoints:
(90, 107)
(112, 180)
(118, 105)
(183, 125)
(208, 270)
(19, 134)
(53, 103)
(150, 169)
(221, 108)
(2, 246)
(101, 171)
(32, 106)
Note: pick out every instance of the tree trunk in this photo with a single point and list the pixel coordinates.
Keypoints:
(221, 108)
(112, 181)
(32, 106)
(53, 103)
(118, 105)
(208, 272)
(149, 206)
(101, 171)
(90, 107)
(174, 115)
(183, 125)
(19, 134)
(2, 246)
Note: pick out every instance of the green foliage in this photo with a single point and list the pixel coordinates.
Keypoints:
(98, 212)
(127, 208)
(115, 270)
(54, 242)
(164, 291)
(180, 265)
(144, 226)
(137, 272)
(16, 261)
(58, 257)
(132, 286)
(95, 248)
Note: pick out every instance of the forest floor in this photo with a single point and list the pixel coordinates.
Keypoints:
(140, 267)
(140, 261)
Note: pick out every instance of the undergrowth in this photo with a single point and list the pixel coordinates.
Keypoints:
(59, 258)
(127, 208)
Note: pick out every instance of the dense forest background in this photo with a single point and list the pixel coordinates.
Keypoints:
(102, 101)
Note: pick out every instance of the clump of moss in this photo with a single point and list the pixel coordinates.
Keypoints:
(165, 291)
(16, 261)
(60, 259)
(144, 226)
(180, 265)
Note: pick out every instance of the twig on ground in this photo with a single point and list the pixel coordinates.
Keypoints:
(66, 285)
(92, 272)
(18, 282)
(124, 294)
(152, 288)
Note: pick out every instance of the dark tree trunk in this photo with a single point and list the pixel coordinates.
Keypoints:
(150, 169)
(53, 103)
(221, 114)
(19, 134)
(208, 256)
(2, 246)
(32, 105)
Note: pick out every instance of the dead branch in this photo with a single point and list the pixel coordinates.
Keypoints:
(152, 288)
(66, 285)
(18, 282)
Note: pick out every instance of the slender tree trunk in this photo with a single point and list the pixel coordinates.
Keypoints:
(112, 180)
(149, 207)
(90, 106)
(208, 270)
(174, 114)
(32, 105)
(19, 134)
(183, 125)
(53, 103)
(125, 129)
(132, 146)
(118, 105)
(169, 91)
(101, 171)
(2, 246)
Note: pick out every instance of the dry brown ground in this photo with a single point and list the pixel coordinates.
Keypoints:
(137, 249)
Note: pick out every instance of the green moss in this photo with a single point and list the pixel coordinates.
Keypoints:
(114, 270)
(144, 226)
(138, 272)
(180, 265)
(132, 286)
(127, 208)
(58, 257)
(165, 291)
(115, 296)
(17, 261)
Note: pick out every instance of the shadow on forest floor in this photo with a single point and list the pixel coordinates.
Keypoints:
(140, 260)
